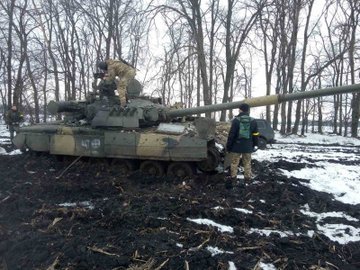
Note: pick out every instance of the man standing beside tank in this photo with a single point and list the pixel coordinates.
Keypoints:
(242, 141)
(13, 118)
(123, 70)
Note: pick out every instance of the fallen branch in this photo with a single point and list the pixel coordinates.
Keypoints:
(161, 265)
(199, 246)
(99, 250)
(187, 265)
(146, 266)
(5, 199)
(54, 264)
(257, 265)
(68, 167)
(329, 263)
(56, 220)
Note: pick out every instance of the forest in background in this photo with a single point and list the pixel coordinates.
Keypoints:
(208, 53)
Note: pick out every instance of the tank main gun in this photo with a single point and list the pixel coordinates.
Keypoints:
(141, 112)
(64, 106)
(265, 100)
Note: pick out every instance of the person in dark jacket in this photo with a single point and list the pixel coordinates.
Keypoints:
(13, 118)
(242, 141)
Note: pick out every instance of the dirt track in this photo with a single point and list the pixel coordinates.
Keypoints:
(93, 218)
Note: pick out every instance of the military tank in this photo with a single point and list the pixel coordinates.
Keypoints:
(144, 134)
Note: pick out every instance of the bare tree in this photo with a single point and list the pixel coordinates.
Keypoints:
(3, 82)
(237, 31)
(269, 21)
(191, 12)
(354, 16)
(46, 26)
(8, 7)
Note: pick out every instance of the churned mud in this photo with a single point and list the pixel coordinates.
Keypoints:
(88, 216)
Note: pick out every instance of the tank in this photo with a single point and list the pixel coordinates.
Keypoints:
(145, 134)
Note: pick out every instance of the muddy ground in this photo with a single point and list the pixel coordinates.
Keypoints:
(94, 218)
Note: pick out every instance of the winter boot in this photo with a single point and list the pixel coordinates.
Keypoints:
(228, 183)
(241, 183)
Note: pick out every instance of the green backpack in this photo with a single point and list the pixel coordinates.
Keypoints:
(244, 127)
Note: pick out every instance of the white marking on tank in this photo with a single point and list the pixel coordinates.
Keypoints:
(95, 143)
(91, 144)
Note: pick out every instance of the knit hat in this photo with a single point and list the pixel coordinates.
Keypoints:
(244, 107)
(102, 65)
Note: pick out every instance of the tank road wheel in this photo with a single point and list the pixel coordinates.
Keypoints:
(212, 161)
(152, 167)
(180, 170)
(123, 166)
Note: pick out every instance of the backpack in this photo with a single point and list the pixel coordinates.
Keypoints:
(244, 127)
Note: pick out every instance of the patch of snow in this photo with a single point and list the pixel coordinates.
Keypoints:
(219, 146)
(216, 251)
(316, 138)
(221, 228)
(67, 204)
(84, 204)
(243, 210)
(319, 216)
(340, 233)
(298, 153)
(267, 232)
(232, 266)
(15, 152)
(310, 233)
(2, 151)
(343, 181)
(267, 266)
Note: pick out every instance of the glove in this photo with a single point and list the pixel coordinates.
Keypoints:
(255, 148)
(7, 127)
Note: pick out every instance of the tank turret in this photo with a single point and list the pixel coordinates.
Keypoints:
(142, 132)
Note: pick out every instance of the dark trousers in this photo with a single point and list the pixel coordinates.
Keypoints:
(13, 129)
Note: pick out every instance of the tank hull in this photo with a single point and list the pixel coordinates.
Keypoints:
(88, 142)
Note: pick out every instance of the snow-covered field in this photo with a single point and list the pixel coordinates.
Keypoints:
(341, 180)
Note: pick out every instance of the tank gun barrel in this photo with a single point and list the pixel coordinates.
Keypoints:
(265, 100)
(64, 106)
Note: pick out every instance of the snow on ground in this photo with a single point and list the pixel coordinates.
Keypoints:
(326, 176)
(313, 138)
(338, 179)
(4, 134)
(340, 233)
(211, 223)
(5, 139)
